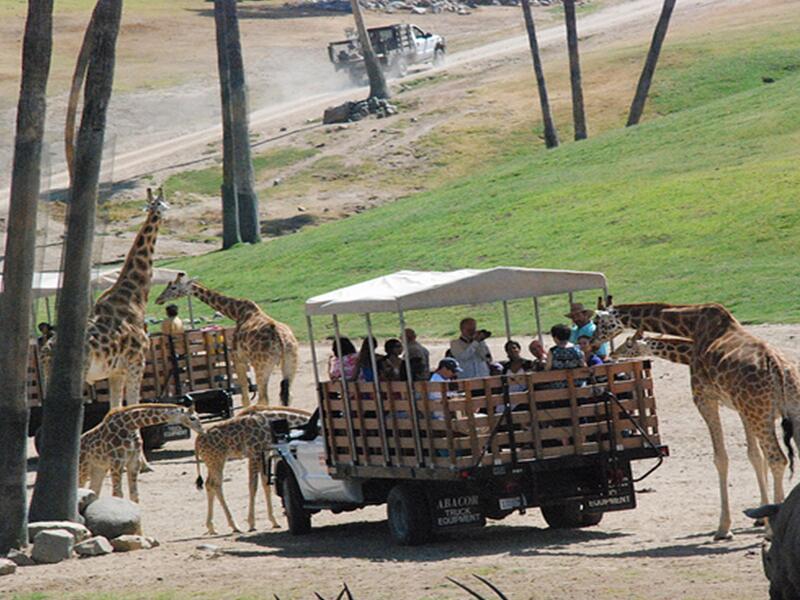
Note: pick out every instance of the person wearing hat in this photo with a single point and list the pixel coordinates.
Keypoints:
(584, 326)
(447, 370)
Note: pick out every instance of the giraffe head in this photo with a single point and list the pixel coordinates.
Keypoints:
(182, 286)
(633, 346)
(156, 204)
(607, 322)
(187, 417)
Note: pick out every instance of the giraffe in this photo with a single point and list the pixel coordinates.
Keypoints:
(247, 435)
(259, 340)
(731, 367)
(115, 444)
(673, 349)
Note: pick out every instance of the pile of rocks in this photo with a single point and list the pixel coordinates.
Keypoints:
(355, 111)
(109, 525)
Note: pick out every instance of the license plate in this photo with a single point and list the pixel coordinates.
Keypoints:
(619, 501)
(458, 511)
(510, 503)
(175, 432)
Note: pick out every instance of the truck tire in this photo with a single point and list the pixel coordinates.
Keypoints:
(408, 515)
(37, 441)
(569, 516)
(299, 518)
(438, 57)
(399, 68)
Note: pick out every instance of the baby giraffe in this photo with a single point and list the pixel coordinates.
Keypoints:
(115, 443)
(247, 435)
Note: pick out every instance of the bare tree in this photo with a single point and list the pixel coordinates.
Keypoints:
(246, 199)
(15, 301)
(230, 209)
(550, 133)
(646, 78)
(378, 88)
(578, 116)
(55, 493)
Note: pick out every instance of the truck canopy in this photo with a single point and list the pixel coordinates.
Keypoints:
(411, 290)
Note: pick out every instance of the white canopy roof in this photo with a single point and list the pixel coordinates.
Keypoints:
(47, 283)
(409, 290)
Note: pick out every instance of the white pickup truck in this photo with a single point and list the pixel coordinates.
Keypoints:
(396, 46)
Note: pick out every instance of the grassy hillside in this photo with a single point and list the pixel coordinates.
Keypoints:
(700, 204)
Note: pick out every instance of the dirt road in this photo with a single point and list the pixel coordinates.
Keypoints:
(662, 550)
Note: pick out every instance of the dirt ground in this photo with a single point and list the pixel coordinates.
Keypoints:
(662, 550)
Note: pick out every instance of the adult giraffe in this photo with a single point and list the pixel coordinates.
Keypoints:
(258, 340)
(728, 366)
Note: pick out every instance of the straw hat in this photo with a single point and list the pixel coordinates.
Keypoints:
(576, 309)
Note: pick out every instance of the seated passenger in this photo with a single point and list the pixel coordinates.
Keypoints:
(563, 355)
(539, 355)
(585, 344)
(470, 350)
(583, 325)
(392, 367)
(349, 359)
(516, 365)
(418, 355)
(365, 372)
(447, 370)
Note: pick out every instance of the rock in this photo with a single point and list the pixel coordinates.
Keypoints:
(128, 543)
(78, 531)
(52, 546)
(337, 114)
(19, 558)
(154, 543)
(95, 546)
(112, 517)
(85, 498)
(301, 208)
(277, 181)
(7, 567)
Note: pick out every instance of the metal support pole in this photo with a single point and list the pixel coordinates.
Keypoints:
(47, 308)
(351, 434)
(378, 397)
(411, 396)
(605, 299)
(571, 298)
(318, 388)
(313, 351)
(507, 322)
(538, 320)
(191, 312)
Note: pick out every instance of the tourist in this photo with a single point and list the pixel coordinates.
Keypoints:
(47, 331)
(349, 363)
(392, 367)
(172, 325)
(516, 365)
(585, 344)
(471, 351)
(583, 325)
(563, 355)
(447, 370)
(539, 355)
(365, 372)
(418, 355)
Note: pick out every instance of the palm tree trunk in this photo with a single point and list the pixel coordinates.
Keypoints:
(247, 201)
(55, 493)
(578, 116)
(378, 88)
(230, 209)
(643, 89)
(15, 301)
(550, 133)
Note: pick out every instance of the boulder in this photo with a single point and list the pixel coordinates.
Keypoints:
(52, 546)
(19, 558)
(85, 498)
(112, 517)
(7, 567)
(127, 543)
(78, 531)
(95, 546)
(337, 114)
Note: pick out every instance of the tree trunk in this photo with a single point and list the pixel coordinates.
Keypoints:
(247, 201)
(15, 301)
(550, 133)
(230, 209)
(55, 493)
(378, 87)
(578, 116)
(639, 99)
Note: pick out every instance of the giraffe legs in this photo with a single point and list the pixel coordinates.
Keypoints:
(133, 475)
(96, 477)
(214, 488)
(116, 385)
(116, 478)
(241, 375)
(263, 372)
(253, 466)
(268, 497)
(133, 386)
(256, 468)
(709, 410)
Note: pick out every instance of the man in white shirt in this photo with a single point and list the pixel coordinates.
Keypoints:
(418, 356)
(471, 351)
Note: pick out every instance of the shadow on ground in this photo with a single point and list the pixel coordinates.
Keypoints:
(295, 11)
(278, 227)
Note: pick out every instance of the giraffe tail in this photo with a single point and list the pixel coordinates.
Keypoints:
(788, 433)
(199, 481)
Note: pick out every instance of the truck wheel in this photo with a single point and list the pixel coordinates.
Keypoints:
(399, 67)
(569, 516)
(409, 516)
(298, 517)
(438, 57)
(37, 441)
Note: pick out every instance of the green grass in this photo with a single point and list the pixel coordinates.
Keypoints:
(698, 205)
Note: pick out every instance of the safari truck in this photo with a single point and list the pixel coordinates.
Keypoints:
(445, 455)
(194, 368)
(397, 47)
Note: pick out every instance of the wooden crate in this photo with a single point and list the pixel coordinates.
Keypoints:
(204, 361)
(455, 421)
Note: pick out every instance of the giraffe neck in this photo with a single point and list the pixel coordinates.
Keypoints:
(133, 284)
(145, 416)
(651, 317)
(677, 350)
(233, 308)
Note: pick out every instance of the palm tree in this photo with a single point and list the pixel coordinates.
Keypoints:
(15, 302)
(55, 493)
(550, 133)
(639, 99)
(578, 116)
(378, 87)
(230, 209)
